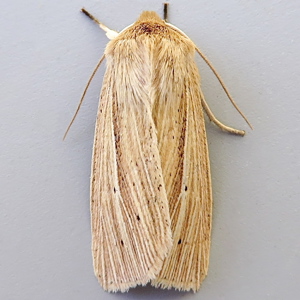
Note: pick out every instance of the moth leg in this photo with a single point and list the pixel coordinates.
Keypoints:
(213, 119)
(84, 92)
(223, 86)
(166, 6)
(111, 34)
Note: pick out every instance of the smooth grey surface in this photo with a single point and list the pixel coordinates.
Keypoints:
(48, 50)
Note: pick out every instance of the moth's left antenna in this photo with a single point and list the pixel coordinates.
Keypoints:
(111, 34)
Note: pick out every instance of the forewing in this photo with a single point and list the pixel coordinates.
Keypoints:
(184, 155)
(130, 218)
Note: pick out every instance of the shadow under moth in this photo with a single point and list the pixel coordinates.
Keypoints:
(151, 198)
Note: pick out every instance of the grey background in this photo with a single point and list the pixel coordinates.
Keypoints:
(48, 50)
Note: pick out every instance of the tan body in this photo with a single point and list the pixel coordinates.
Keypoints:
(151, 199)
(150, 146)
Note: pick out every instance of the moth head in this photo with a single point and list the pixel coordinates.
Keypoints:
(149, 23)
(149, 16)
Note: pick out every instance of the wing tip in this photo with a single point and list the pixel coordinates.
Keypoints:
(123, 287)
(179, 286)
(151, 274)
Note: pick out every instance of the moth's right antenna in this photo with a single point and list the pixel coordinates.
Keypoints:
(166, 6)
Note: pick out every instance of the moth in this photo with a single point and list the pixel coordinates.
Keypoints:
(151, 197)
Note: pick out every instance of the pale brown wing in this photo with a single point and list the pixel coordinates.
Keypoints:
(184, 155)
(130, 219)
